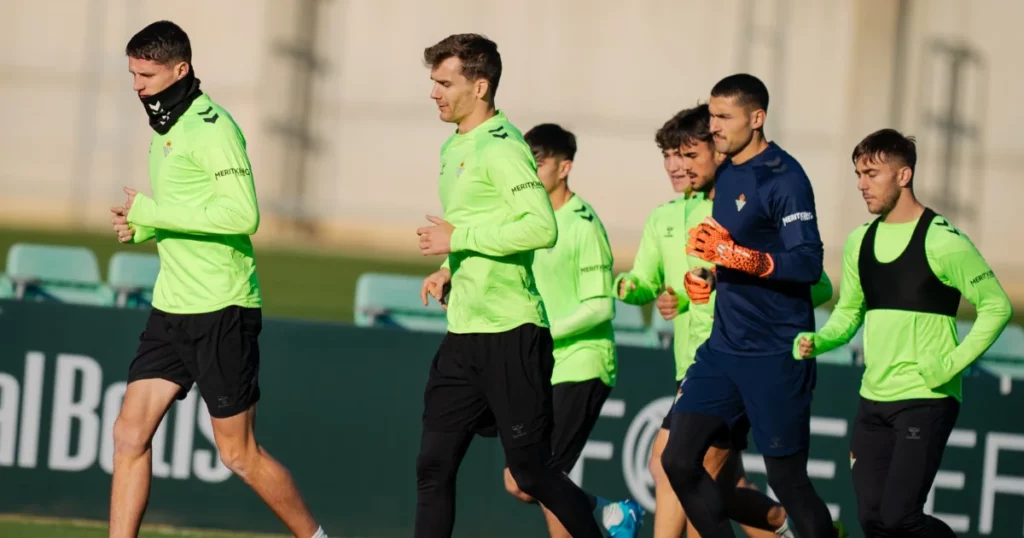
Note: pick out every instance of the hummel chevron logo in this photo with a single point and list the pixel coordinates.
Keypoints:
(583, 214)
(212, 119)
(950, 229)
(495, 132)
(207, 111)
(155, 106)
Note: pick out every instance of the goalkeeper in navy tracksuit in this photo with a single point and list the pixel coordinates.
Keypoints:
(763, 237)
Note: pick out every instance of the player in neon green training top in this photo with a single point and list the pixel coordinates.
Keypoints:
(206, 319)
(691, 162)
(903, 276)
(493, 369)
(575, 282)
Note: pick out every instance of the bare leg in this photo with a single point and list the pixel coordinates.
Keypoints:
(268, 478)
(145, 403)
(669, 518)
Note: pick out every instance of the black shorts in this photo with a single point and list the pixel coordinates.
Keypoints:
(737, 438)
(577, 406)
(493, 383)
(218, 351)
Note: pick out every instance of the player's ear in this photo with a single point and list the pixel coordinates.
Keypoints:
(757, 118)
(906, 175)
(564, 167)
(180, 70)
(481, 88)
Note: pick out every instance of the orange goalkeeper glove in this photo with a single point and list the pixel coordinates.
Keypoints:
(711, 242)
(699, 283)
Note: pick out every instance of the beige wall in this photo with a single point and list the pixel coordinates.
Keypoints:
(73, 132)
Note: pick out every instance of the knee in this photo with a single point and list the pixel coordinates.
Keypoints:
(680, 467)
(240, 458)
(435, 465)
(513, 488)
(786, 473)
(130, 438)
(902, 523)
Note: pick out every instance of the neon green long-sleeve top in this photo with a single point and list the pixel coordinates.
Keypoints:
(911, 355)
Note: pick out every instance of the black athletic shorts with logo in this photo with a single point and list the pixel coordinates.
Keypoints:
(492, 384)
(737, 438)
(577, 406)
(218, 351)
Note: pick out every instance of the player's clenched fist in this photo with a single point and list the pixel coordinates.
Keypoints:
(668, 303)
(700, 283)
(436, 239)
(806, 347)
(625, 286)
(124, 231)
(437, 285)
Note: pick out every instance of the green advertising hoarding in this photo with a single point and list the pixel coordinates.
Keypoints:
(341, 408)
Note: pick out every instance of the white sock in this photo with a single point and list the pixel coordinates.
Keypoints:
(784, 529)
(320, 533)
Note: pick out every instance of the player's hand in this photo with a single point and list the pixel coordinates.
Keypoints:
(711, 242)
(625, 287)
(130, 193)
(125, 232)
(436, 239)
(437, 285)
(668, 304)
(699, 283)
(806, 347)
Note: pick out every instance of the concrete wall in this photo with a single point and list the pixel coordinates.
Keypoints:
(611, 71)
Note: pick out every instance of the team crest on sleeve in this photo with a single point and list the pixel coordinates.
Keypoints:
(740, 202)
(167, 148)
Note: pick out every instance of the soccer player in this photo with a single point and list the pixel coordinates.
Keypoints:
(688, 151)
(575, 282)
(903, 276)
(763, 239)
(493, 368)
(206, 319)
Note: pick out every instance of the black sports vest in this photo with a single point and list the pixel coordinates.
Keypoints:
(906, 283)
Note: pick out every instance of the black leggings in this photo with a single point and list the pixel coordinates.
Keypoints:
(438, 463)
(683, 460)
(897, 448)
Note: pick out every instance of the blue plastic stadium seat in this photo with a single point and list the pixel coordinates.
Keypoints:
(6, 287)
(394, 300)
(1006, 356)
(56, 273)
(630, 329)
(132, 276)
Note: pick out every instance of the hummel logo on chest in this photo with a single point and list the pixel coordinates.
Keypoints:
(740, 202)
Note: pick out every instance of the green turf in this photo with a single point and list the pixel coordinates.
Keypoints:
(14, 526)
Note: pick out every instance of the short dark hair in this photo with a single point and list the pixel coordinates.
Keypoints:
(887, 144)
(687, 127)
(747, 89)
(479, 56)
(551, 140)
(163, 42)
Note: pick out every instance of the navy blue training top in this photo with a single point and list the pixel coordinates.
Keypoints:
(766, 204)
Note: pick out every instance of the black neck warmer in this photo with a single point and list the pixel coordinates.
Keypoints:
(167, 106)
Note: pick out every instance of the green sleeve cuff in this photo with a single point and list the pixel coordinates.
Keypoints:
(796, 344)
(142, 207)
(457, 243)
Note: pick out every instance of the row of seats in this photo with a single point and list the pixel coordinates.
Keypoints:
(394, 300)
(37, 272)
